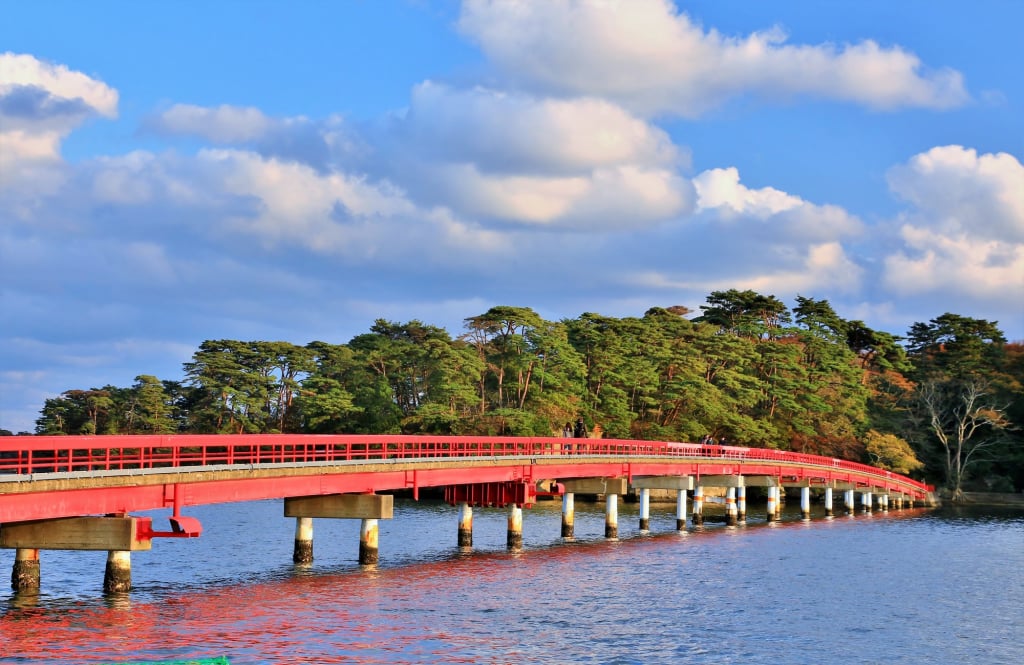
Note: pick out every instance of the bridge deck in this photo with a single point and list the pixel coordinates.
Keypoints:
(46, 477)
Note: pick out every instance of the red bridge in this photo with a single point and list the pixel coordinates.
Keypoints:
(77, 492)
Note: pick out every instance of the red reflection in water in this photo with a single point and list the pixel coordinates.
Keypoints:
(367, 616)
(437, 611)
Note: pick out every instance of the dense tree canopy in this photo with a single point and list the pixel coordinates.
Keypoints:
(948, 404)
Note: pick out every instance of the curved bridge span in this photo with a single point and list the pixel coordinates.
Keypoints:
(77, 492)
(45, 477)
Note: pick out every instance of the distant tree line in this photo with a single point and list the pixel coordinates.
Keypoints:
(945, 402)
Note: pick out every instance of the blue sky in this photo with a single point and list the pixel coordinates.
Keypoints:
(172, 172)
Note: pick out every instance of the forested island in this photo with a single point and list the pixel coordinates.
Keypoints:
(945, 403)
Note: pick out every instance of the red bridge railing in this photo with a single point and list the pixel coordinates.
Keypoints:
(22, 456)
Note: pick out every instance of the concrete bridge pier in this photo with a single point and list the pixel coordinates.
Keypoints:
(118, 576)
(679, 483)
(366, 507)
(698, 506)
(611, 516)
(681, 511)
(805, 502)
(828, 502)
(568, 515)
(465, 525)
(883, 500)
(849, 501)
(865, 501)
(730, 507)
(303, 552)
(25, 575)
(610, 487)
(645, 509)
(369, 539)
(741, 503)
(514, 541)
(117, 535)
(772, 509)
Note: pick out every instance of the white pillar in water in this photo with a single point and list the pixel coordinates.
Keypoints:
(865, 501)
(465, 525)
(369, 538)
(118, 575)
(514, 540)
(828, 502)
(645, 509)
(741, 503)
(25, 575)
(698, 506)
(303, 552)
(805, 502)
(771, 514)
(611, 516)
(730, 506)
(850, 501)
(568, 515)
(681, 510)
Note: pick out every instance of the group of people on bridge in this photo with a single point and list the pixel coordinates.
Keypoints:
(577, 431)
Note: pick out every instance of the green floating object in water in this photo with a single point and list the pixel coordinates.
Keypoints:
(219, 660)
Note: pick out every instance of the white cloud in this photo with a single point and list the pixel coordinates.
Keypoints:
(955, 265)
(515, 133)
(224, 124)
(617, 198)
(40, 103)
(820, 269)
(19, 72)
(721, 189)
(577, 163)
(785, 216)
(956, 190)
(825, 268)
(648, 56)
(965, 235)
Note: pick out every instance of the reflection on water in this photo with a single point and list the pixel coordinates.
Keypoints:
(903, 587)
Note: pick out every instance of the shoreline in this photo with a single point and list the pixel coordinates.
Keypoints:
(1015, 500)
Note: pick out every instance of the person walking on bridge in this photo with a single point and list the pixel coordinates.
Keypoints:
(580, 432)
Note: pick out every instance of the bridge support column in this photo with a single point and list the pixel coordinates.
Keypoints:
(611, 516)
(118, 575)
(865, 501)
(366, 507)
(465, 525)
(850, 501)
(741, 503)
(25, 575)
(730, 506)
(771, 513)
(681, 511)
(369, 539)
(568, 515)
(698, 506)
(883, 499)
(303, 540)
(805, 502)
(645, 509)
(515, 527)
(828, 502)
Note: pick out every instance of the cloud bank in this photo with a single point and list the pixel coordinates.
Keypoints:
(648, 56)
(550, 182)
